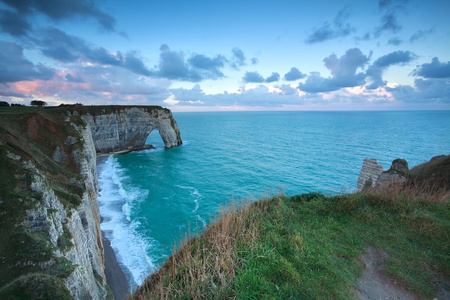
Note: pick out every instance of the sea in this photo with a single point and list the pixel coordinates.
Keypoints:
(151, 199)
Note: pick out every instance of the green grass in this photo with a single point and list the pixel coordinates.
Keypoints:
(309, 247)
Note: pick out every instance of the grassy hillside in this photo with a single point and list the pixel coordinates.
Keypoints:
(310, 246)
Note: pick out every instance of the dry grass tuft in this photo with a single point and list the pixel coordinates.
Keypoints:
(414, 190)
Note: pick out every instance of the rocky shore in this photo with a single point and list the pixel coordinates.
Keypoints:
(115, 277)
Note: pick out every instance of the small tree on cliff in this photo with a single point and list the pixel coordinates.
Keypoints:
(38, 103)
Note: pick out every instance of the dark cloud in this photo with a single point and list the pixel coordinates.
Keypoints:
(134, 63)
(211, 66)
(253, 77)
(389, 20)
(239, 55)
(394, 41)
(435, 69)
(12, 23)
(317, 84)
(394, 58)
(421, 34)
(59, 10)
(339, 28)
(375, 71)
(198, 67)
(6, 92)
(437, 89)
(343, 73)
(254, 61)
(294, 74)
(15, 67)
(425, 91)
(272, 78)
(388, 23)
(172, 65)
(66, 48)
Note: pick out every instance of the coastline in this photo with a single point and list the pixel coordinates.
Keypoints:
(115, 277)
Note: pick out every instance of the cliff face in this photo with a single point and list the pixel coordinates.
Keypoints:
(372, 174)
(49, 215)
(127, 128)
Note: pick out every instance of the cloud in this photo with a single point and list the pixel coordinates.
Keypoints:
(253, 77)
(343, 73)
(15, 67)
(254, 61)
(284, 96)
(238, 59)
(272, 78)
(375, 71)
(435, 69)
(389, 19)
(194, 96)
(96, 84)
(210, 66)
(294, 74)
(317, 84)
(388, 23)
(394, 58)
(172, 65)
(425, 91)
(286, 89)
(198, 67)
(70, 78)
(394, 41)
(12, 23)
(57, 10)
(339, 28)
(420, 34)
(66, 48)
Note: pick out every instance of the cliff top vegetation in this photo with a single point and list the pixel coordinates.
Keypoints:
(312, 246)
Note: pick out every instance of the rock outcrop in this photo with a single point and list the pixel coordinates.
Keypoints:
(49, 215)
(395, 175)
(372, 174)
(369, 174)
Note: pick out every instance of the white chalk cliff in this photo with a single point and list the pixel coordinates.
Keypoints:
(49, 214)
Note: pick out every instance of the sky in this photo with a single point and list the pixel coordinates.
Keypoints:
(241, 55)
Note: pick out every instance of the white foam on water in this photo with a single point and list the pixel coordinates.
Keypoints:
(197, 196)
(116, 200)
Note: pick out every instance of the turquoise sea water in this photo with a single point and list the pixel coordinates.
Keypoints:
(148, 198)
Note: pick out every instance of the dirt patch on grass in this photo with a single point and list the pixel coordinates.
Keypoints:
(374, 284)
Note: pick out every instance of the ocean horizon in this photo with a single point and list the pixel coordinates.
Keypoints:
(152, 198)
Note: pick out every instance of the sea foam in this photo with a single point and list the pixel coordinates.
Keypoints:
(120, 228)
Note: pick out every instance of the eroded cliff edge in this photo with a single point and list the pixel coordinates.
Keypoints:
(49, 215)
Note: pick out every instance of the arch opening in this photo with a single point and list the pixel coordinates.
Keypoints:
(155, 139)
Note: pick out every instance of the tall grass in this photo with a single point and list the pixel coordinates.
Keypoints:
(205, 266)
(309, 246)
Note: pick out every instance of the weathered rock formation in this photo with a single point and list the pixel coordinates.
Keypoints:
(395, 175)
(372, 174)
(369, 174)
(127, 128)
(51, 243)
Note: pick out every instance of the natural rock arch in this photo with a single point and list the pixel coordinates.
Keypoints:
(127, 128)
